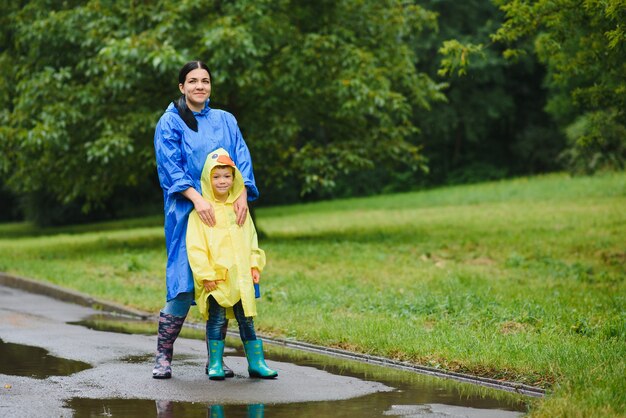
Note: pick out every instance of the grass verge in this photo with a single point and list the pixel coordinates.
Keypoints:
(520, 280)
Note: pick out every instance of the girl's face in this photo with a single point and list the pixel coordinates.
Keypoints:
(197, 88)
(221, 180)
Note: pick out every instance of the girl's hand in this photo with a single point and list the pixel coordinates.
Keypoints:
(241, 207)
(256, 275)
(209, 285)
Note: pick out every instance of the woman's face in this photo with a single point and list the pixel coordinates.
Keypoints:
(197, 88)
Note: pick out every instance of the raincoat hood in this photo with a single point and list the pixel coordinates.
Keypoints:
(220, 157)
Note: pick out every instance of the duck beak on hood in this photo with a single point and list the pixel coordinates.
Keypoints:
(216, 158)
(225, 160)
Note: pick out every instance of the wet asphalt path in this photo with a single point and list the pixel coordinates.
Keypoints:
(41, 321)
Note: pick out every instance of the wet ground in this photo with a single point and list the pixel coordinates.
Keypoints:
(35, 362)
(61, 359)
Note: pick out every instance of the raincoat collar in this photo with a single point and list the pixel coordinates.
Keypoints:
(215, 158)
(204, 111)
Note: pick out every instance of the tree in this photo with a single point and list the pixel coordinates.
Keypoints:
(330, 86)
(321, 90)
(492, 124)
(582, 44)
(74, 130)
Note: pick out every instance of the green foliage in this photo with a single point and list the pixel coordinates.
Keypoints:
(76, 131)
(493, 124)
(457, 57)
(583, 46)
(322, 90)
(597, 141)
(332, 87)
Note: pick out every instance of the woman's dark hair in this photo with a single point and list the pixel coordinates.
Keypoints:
(190, 66)
(181, 103)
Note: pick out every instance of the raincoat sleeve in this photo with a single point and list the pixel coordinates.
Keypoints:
(173, 174)
(257, 255)
(244, 164)
(198, 250)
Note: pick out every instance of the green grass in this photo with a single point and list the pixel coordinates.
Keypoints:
(521, 280)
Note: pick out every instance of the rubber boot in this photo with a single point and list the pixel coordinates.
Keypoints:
(169, 328)
(256, 360)
(164, 409)
(228, 372)
(256, 411)
(216, 350)
(216, 411)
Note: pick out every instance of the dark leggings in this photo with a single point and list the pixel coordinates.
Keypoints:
(217, 321)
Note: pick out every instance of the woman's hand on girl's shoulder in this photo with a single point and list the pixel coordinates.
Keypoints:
(205, 211)
(241, 207)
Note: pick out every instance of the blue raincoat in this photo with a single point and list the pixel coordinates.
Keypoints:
(180, 156)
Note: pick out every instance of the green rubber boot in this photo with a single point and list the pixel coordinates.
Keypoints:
(216, 352)
(256, 361)
(216, 411)
(228, 372)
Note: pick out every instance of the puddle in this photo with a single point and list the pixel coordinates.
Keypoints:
(414, 390)
(146, 358)
(416, 395)
(130, 325)
(361, 407)
(35, 362)
(149, 358)
(118, 323)
(130, 408)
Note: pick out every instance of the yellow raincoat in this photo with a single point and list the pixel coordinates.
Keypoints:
(225, 251)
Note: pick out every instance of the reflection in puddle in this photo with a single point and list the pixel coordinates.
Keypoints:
(359, 407)
(416, 395)
(25, 360)
(166, 409)
(250, 411)
(414, 391)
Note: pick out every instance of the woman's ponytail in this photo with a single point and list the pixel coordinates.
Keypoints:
(185, 113)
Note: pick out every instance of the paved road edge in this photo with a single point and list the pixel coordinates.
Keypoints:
(67, 295)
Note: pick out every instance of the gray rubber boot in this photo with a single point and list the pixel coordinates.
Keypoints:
(169, 328)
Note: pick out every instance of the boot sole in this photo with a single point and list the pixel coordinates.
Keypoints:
(229, 373)
(258, 376)
(216, 377)
(164, 376)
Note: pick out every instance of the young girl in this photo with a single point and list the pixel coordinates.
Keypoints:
(226, 262)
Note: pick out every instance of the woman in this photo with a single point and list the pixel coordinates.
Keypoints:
(187, 131)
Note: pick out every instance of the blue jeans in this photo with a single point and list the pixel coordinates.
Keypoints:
(217, 321)
(179, 306)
